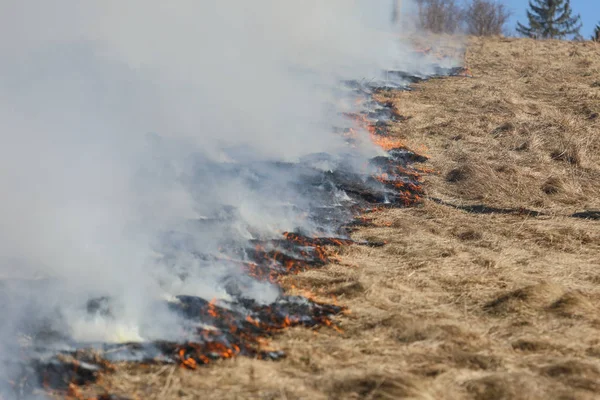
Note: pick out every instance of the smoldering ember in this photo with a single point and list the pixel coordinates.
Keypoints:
(316, 201)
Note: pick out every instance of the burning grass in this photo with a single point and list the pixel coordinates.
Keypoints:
(243, 327)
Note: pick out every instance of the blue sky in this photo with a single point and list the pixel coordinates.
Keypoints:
(589, 10)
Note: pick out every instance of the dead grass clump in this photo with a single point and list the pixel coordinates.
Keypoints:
(469, 235)
(347, 290)
(530, 297)
(323, 280)
(395, 249)
(588, 112)
(575, 374)
(532, 143)
(475, 361)
(574, 305)
(500, 387)
(552, 186)
(506, 169)
(526, 345)
(569, 154)
(585, 63)
(459, 174)
(374, 387)
(485, 262)
(418, 331)
(593, 351)
(507, 127)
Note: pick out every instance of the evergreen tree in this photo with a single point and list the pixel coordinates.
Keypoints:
(550, 19)
(596, 36)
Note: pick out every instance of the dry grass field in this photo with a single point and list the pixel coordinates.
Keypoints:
(458, 305)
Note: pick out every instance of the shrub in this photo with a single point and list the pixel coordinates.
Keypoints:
(485, 18)
(439, 16)
(476, 17)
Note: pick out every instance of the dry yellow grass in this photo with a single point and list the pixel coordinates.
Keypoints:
(458, 305)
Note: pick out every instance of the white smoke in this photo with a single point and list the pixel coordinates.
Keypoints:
(113, 113)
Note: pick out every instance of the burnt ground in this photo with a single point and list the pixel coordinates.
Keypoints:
(459, 304)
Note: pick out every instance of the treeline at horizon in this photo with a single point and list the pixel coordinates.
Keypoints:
(545, 19)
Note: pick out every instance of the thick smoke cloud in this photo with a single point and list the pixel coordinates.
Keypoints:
(124, 121)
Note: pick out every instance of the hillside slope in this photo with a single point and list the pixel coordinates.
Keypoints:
(458, 304)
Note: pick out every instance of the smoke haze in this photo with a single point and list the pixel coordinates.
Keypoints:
(124, 121)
